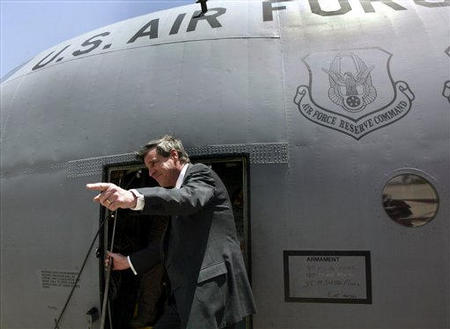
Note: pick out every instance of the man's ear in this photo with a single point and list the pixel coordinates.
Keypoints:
(174, 154)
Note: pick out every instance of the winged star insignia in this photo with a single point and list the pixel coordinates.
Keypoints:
(350, 90)
(446, 90)
(360, 95)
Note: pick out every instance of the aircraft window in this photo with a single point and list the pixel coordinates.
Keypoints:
(410, 200)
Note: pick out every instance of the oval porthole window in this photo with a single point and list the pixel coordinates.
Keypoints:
(410, 200)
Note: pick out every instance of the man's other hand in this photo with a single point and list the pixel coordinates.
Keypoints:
(119, 261)
(112, 196)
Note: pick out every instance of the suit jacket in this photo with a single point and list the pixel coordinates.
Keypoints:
(200, 251)
(143, 260)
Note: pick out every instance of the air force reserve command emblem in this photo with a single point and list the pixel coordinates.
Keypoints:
(352, 91)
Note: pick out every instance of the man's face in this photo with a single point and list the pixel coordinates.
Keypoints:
(165, 170)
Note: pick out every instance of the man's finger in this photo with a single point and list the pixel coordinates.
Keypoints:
(108, 259)
(97, 197)
(104, 196)
(98, 186)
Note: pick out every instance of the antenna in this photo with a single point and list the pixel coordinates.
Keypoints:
(203, 6)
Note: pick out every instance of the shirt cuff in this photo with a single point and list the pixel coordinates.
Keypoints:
(140, 202)
(131, 265)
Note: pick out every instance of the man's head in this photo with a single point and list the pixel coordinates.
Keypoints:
(164, 158)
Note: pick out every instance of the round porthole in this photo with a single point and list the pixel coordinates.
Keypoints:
(410, 200)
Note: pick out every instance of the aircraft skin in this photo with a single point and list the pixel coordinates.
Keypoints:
(331, 99)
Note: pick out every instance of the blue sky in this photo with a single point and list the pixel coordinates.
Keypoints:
(29, 27)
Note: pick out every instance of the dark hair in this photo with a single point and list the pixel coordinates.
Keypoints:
(163, 147)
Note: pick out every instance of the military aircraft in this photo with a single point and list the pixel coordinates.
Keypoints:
(329, 122)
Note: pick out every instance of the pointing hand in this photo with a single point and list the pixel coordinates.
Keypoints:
(112, 196)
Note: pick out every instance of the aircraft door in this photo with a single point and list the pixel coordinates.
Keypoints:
(127, 292)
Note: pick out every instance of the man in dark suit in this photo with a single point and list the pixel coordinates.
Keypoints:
(209, 287)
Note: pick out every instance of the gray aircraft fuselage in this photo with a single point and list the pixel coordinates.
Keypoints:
(329, 101)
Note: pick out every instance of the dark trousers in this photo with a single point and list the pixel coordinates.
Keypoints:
(171, 320)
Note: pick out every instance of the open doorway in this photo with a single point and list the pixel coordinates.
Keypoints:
(134, 231)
